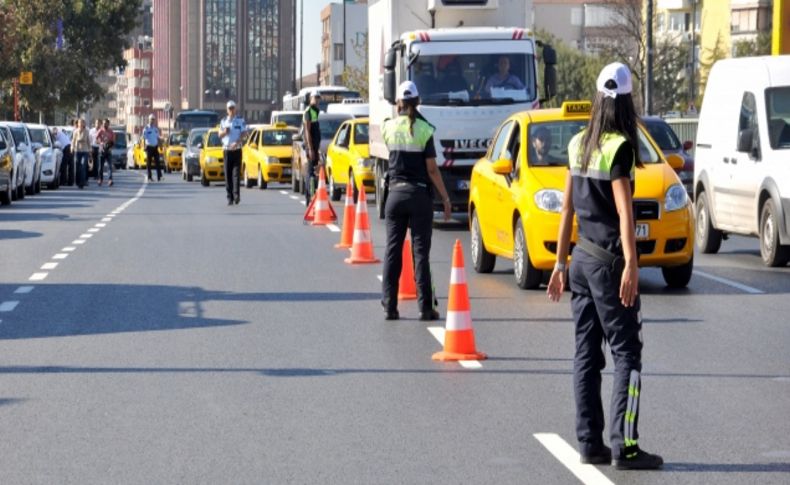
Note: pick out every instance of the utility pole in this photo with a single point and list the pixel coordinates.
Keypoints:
(649, 68)
(344, 37)
(692, 90)
(301, 42)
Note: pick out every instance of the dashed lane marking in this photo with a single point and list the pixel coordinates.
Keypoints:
(333, 228)
(38, 277)
(78, 241)
(438, 334)
(100, 224)
(563, 452)
(734, 284)
(68, 249)
(106, 219)
(284, 192)
(86, 236)
(61, 256)
(49, 265)
(94, 229)
(380, 277)
(303, 202)
(8, 306)
(294, 197)
(22, 290)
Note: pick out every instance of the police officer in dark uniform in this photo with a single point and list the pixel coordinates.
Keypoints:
(412, 171)
(604, 275)
(312, 143)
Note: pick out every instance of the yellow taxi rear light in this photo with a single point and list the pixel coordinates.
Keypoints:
(576, 107)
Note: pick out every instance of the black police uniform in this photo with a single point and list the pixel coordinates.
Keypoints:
(595, 275)
(409, 205)
(311, 115)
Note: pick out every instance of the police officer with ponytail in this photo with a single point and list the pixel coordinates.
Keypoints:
(604, 274)
(412, 175)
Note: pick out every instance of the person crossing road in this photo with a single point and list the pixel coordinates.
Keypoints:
(232, 129)
(152, 137)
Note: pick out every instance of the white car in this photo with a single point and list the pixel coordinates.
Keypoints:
(48, 154)
(18, 172)
(24, 150)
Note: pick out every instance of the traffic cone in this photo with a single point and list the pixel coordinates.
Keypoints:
(362, 246)
(407, 286)
(320, 211)
(459, 336)
(347, 235)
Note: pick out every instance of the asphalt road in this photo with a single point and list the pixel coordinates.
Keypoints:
(168, 338)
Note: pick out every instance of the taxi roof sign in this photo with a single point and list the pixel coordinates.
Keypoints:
(576, 107)
(281, 124)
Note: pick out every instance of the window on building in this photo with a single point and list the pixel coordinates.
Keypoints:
(744, 20)
(221, 24)
(263, 50)
(576, 16)
(677, 22)
(338, 52)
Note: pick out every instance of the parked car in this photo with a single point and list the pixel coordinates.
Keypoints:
(18, 170)
(742, 174)
(24, 150)
(6, 172)
(48, 155)
(119, 148)
(667, 140)
(329, 124)
(190, 165)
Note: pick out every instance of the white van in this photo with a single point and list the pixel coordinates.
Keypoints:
(742, 160)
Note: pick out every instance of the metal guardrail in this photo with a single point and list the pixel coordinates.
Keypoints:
(685, 129)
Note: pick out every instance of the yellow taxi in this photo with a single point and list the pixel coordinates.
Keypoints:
(266, 155)
(348, 156)
(139, 156)
(176, 143)
(212, 168)
(515, 199)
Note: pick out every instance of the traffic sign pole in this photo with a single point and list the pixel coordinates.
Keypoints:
(17, 117)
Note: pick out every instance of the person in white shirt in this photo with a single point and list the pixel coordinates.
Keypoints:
(94, 149)
(231, 130)
(67, 166)
(152, 137)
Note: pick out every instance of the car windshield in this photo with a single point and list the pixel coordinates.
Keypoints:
(177, 139)
(663, 135)
(548, 143)
(120, 139)
(474, 79)
(329, 127)
(277, 138)
(196, 138)
(214, 140)
(19, 135)
(777, 104)
(361, 134)
(39, 135)
(290, 119)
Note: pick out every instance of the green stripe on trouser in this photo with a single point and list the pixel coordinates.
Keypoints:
(631, 411)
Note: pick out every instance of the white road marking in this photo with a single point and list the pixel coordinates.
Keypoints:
(78, 241)
(68, 249)
(49, 266)
(94, 229)
(8, 306)
(562, 451)
(438, 334)
(380, 277)
(86, 236)
(303, 202)
(61, 256)
(38, 276)
(333, 228)
(24, 290)
(294, 197)
(284, 192)
(106, 219)
(100, 224)
(725, 281)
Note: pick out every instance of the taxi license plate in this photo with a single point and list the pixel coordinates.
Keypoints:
(642, 231)
(463, 185)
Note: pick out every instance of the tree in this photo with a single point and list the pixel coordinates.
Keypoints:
(576, 71)
(357, 78)
(758, 46)
(670, 77)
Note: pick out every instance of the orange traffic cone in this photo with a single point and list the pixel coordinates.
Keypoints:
(347, 235)
(407, 287)
(362, 246)
(320, 211)
(459, 336)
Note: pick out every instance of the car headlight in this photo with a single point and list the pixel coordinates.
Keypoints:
(549, 200)
(212, 160)
(271, 160)
(365, 162)
(676, 198)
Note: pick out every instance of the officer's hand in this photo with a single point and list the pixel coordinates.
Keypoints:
(629, 285)
(556, 285)
(447, 210)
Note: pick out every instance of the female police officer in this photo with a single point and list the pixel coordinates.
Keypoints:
(412, 170)
(604, 275)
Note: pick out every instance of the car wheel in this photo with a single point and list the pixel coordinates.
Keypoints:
(203, 180)
(771, 250)
(294, 180)
(678, 276)
(708, 237)
(183, 174)
(381, 200)
(30, 190)
(20, 191)
(334, 190)
(527, 276)
(37, 185)
(482, 260)
(262, 184)
(6, 196)
(247, 181)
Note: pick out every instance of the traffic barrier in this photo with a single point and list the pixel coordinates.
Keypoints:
(459, 336)
(362, 246)
(347, 234)
(320, 211)
(407, 286)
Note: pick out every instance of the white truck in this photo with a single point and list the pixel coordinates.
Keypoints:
(474, 63)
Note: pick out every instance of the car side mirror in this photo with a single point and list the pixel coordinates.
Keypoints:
(675, 161)
(549, 72)
(199, 145)
(745, 140)
(503, 166)
(688, 145)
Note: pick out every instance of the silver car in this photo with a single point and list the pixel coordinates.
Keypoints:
(18, 171)
(190, 165)
(49, 157)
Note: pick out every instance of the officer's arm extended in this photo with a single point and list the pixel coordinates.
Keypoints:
(557, 281)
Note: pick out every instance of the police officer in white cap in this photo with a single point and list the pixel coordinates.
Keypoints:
(152, 136)
(412, 175)
(312, 142)
(604, 275)
(231, 130)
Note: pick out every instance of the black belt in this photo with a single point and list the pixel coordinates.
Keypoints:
(603, 255)
(402, 184)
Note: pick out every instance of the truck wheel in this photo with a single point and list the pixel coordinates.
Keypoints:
(678, 276)
(381, 201)
(708, 237)
(771, 250)
(334, 190)
(527, 276)
(482, 260)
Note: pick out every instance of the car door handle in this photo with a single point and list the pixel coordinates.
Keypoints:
(726, 160)
(734, 161)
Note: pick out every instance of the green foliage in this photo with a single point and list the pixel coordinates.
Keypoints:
(759, 46)
(354, 78)
(670, 76)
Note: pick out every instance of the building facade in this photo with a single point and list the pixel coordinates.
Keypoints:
(583, 24)
(134, 95)
(337, 53)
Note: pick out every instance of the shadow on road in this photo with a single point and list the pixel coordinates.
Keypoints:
(17, 234)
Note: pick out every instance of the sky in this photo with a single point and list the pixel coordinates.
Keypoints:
(312, 34)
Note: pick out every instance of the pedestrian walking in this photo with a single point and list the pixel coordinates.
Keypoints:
(412, 173)
(232, 128)
(81, 145)
(105, 137)
(152, 137)
(604, 274)
(312, 143)
(94, 163)
(67, 164)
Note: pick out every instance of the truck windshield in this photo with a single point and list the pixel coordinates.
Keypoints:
(474, 79)
(777, 104)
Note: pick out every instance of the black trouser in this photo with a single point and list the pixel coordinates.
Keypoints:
(67, 167)
(311, 178)
(81, 167)
(409, 207)
(105, 157)
(599, 315)
(232, 161)
(94, 172)
(151, 157)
